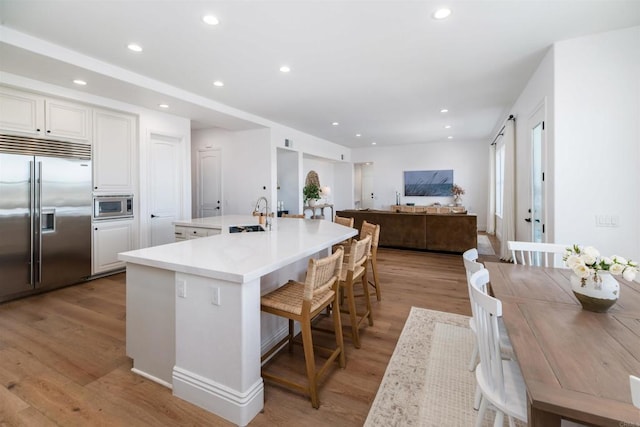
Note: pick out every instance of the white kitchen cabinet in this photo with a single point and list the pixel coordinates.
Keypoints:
(186, 233)
(114, 135)
(110, 238)
(39, 116)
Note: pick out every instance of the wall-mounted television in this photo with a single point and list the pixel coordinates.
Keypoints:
(428, 183)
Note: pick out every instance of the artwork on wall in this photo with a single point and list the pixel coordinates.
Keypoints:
(428, 183)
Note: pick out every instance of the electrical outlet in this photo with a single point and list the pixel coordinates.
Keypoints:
(182, 288)
(215, 296)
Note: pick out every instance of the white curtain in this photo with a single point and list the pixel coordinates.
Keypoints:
(509, 191)
(491, 203)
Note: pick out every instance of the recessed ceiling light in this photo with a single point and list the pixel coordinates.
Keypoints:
(80, 82)
(285, 69)
(449, 137)
(218, 83)
(444, 110)
(441, 13)
(447, 126)
(163, 105)
(358, 135)
(335, 123)
(210, 19)
(373, 143)
(134, 47)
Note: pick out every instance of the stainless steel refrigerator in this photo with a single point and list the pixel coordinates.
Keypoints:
(45, 215)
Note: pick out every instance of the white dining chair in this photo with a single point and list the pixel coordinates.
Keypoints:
(500, 381)
(469, 258)
(532, 253)
(635, 390)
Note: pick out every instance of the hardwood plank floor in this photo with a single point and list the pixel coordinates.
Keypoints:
(63, 362)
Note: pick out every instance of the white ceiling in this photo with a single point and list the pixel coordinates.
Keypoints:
(383, 69)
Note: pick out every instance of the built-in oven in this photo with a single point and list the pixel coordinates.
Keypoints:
(113, 206)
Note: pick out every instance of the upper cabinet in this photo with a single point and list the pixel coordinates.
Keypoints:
(113, 151)
(39, 116)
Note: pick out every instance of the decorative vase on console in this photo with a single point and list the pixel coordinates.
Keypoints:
(457, 192)
(592, 281)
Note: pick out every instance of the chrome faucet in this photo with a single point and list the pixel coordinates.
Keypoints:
(266, 211)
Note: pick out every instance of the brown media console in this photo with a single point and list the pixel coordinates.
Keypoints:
(433, 232)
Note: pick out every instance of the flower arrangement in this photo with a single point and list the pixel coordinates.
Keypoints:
(456, 190)
(586, 261)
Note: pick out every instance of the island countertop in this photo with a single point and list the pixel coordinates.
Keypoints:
(241, 257)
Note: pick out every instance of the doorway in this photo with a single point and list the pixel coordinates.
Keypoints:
(537, 176)
(364, 194)
(165, 187)
(209, 183)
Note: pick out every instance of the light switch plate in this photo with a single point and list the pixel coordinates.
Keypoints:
(215, 296)
(182, 288)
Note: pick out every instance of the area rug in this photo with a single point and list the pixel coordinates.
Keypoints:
(427, 382)
(484, 245)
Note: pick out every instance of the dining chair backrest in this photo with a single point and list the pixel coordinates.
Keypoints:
(322, 274)
(346, 221)
(486, 311)
(635, 390)
(359, 252)
(471, 267)
(541, 254)
(470, 254)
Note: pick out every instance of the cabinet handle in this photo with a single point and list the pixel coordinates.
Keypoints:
(48, 131)
(96, 229)
(153, 216)
(37, 130)
(95, 188)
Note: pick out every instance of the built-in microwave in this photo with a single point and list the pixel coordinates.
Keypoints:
(112, 207)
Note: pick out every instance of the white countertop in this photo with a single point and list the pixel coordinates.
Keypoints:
(241, 257)
(218, 222)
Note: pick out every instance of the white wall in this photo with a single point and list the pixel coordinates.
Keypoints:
(468, 159)
(246, 166)
(597, 111)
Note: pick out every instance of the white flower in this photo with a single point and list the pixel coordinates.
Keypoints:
(588, 258)
(607, 260)
(619, 259)
(573, 261)
(616, 269)
(629, 274)
(591, 251)
(582, 271)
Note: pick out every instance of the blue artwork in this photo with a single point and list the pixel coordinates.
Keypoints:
(428, 183)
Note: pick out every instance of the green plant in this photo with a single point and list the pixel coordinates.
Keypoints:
(311, 192)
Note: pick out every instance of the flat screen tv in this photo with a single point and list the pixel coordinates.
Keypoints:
(428, 183)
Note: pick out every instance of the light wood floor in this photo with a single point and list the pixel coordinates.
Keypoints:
(63, 362)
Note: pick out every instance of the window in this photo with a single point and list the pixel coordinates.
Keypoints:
(499, 179)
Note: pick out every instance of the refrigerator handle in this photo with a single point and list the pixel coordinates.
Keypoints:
(38, 223)
(32, 211)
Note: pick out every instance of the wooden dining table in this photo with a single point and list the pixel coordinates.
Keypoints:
(575, 363)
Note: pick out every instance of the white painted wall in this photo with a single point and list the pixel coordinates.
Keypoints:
(468, 159)
(246, 166)
(597, 153)
(539, 89)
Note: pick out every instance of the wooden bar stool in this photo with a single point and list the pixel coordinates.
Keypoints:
(352, 271)
(373, 230)
(302, 302)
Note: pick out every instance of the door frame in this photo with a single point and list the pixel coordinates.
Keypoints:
(538, 115)
(200, 152)
(145, 170)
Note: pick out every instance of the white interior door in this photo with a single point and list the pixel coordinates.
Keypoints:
(368, 197)
(537, 138)
(209, 188)
(164, 187)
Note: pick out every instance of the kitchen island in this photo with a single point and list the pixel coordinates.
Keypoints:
(193, 307)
